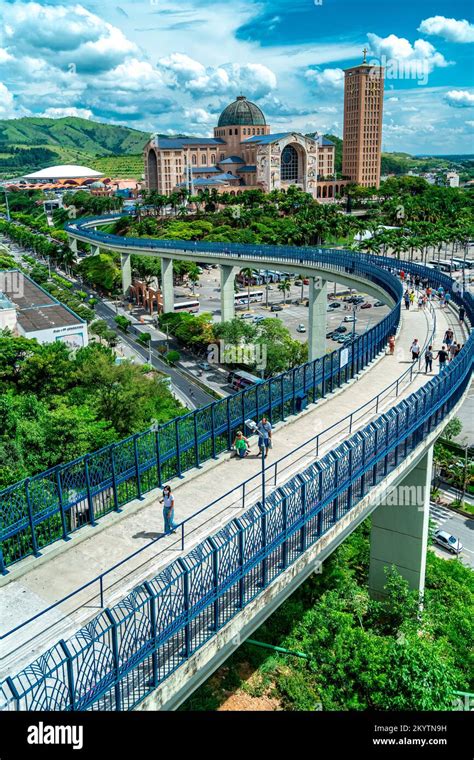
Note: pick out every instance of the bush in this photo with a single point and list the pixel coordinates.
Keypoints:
(122, 322)
(172, 357)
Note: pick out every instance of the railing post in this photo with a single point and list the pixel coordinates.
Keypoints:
(335, 501)
(101, 589)
(215, 581)
(178, 448)
(213, 432)
(323, 384)
(241, 563)
(362, 477)
(264, 547)
(137, 466)
(3, 569)
(293, 392)
(115, 652)
(70, 674)
(315, 394)
(61, 504)
(114, 477)
(30, 518)
(270, 401)
(90, 500)
(284, 558)
(158, 458)
(229, 424)
(187, 633)
(303, 514)
(196, 441)
(282, 396)
(154, 656)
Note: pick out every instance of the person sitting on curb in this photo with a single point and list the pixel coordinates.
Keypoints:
(241, 445)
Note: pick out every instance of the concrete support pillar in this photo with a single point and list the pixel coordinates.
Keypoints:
(399, 533)
(227, 292)
(167, 292)
(317, 317)
(73, 244)
(95, 250)
(126, 266)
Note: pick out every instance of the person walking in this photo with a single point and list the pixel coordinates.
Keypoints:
(241, 445)
(443, 359)
(462, 314)
(264, 436)
(412, 297)
(428, 359)
(391, 345)
(168, 510)
(452, 351)
(406, 298)
(415, 350)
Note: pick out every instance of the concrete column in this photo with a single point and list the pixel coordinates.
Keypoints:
(399, 533)
(95, 250)
(167, 292)
(126, 266)
(73, 244)
(317, 317)
(227, 292)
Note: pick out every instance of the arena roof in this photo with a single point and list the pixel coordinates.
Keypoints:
(64, 171)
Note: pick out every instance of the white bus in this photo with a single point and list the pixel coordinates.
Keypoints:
(239, 380)
(256, 296)
(191, 306)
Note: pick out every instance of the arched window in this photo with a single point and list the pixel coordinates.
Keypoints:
(325, 192)
(194, 159)
(222, 156)
(230, 131)
(152, 170)
(253, 130)
(319, 192)
(330, 191)
(203, 159)
(236, 131)
(213, 158)
(244, 131)
(289, 164)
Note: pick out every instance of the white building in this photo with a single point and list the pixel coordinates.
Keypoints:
(28, 310)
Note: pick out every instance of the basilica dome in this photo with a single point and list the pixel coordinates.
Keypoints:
(242, 113)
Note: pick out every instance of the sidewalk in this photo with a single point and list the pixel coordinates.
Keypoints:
(72, 564)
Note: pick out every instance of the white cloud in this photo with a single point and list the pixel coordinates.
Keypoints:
(404, 60)
(5, 56)
(7, 105)
(182, 72)
(332, 79)
(460, 98)
(59, 113)
(199, 116)
(450, 29)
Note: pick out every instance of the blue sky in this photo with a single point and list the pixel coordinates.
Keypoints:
(167, 66)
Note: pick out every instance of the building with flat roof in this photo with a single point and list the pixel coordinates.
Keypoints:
(28, 310)
(242, 155)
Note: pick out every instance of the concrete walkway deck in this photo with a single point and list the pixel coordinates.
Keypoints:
(36, 583)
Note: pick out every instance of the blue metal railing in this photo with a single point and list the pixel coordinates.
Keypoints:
(51, 505)
(122, 655)
(245, 489)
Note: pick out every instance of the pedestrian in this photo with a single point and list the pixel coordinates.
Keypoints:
(407, 300)
(412, 297)
(168, 510)
(428, 359)
(241, 445)
(391, 345)
(462, 313)
(447, 298)
(264, 436)
(458, 348)
(448, 337)
(442, 358)
(421, 302)
(415, 349)
(452, 351)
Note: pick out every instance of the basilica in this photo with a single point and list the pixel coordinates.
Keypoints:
(242, 155)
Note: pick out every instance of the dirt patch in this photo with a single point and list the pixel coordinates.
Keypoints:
(242, 699)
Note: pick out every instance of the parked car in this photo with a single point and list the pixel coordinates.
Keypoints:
(331, 334)
(205, 366)
(448, 542)
(350, 318)
(341, 329)
(246, 316)
(297, 282)
(305, 281)
(334, 305)
(366, 306)
(258, 318)
(301, 328)
(276, 307)
(379, 303)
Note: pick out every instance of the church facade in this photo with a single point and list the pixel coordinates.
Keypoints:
(242, 155)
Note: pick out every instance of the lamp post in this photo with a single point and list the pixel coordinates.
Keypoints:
(6, 204)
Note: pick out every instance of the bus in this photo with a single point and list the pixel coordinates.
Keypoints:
(256, 296)
(190, 306)
(444, 265)
(240, 380)
(464, 264)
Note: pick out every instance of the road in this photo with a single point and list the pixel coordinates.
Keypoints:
(459, 526)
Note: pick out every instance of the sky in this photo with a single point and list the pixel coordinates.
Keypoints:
(172, 65)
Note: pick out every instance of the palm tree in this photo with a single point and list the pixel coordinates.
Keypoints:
(285, 287)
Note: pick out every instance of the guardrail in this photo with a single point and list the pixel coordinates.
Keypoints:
(244, 490)
(51, 505)
(126, 651)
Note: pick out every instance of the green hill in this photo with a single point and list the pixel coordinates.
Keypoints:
(32, 143)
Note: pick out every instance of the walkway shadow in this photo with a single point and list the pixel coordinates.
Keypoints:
(144, 534)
